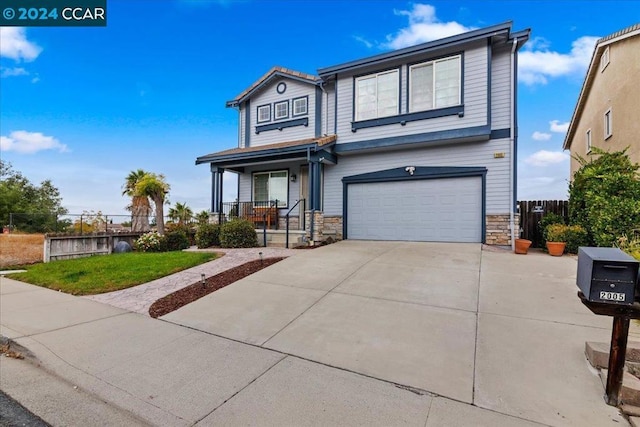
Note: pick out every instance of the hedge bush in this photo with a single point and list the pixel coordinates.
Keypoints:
(238, 233)
(177, 240)
(604, 196)
(207, 235)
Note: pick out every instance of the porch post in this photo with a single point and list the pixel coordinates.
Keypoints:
(314, 218)
(216, 194)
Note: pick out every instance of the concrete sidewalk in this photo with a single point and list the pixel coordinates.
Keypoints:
(507, 332)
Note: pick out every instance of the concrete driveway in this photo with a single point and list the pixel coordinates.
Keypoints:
(501, 331)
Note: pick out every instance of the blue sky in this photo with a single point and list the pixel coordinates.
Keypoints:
(84, 106)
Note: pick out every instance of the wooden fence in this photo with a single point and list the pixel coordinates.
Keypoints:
(532, 211)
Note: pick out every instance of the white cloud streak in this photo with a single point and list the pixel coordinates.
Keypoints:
(545, 158)
(14, 45)
(423, 26)
(537, 63)
(556, 126)
(12, 72)
(541, 136)
(21, 141)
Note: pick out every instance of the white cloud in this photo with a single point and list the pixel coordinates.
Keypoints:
(545, 158)
(556, 126)
(537, 64)
(423, 26)
(541, 136)
(14, 45)
(25, 142)
(12, 72)
(364, 41)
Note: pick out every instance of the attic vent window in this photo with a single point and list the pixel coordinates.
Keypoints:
(281, 88)
(604, 59)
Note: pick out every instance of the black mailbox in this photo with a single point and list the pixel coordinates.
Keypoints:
(607, 275)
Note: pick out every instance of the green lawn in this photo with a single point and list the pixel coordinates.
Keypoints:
(106, 273)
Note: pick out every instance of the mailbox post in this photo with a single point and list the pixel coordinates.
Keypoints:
(608, 282)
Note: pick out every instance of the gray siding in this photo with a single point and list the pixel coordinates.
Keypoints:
(269, 95)
(328, 113)
(246, 189)
(473, 154)
(501, 89)
(475, 100)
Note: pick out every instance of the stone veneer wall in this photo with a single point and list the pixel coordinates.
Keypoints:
(333, 226)
(294, 223)
(318, 225)
(498, 230)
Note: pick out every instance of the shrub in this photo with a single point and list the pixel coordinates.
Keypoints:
(576, 236)
(151, 242)
(188, 231)
(573, 235)
(604, 196)
(547, 220)
(177, 240)
(556, 232)
(238, 233)
(208, 235)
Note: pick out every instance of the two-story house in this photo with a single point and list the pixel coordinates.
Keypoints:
(606, 114)
(416, 144)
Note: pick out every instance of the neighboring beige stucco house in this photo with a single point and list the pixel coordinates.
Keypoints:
(607, 114)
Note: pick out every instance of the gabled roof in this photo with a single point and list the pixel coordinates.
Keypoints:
(503, 30)
(281, 148)
(592, 72)
(273, 73)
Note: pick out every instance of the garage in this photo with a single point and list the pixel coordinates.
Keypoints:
(416, 208)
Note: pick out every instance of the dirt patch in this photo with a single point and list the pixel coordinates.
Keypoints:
(191, 293)
(20, 249)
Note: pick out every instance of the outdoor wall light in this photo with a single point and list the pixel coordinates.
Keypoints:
(293, 177)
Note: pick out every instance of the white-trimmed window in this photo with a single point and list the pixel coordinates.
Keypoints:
(300, 106)
(271, 186)
(608, 125)
(264, 113)
(435, 84)
(604, 59)
(281, 110)
(588, 140)
(377, 95)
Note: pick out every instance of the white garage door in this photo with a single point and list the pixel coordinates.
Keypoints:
(429, 210)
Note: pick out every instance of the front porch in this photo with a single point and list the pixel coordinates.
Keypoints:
(279, 188)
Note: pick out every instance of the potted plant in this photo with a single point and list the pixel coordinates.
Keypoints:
(556, 239)
(522, 246)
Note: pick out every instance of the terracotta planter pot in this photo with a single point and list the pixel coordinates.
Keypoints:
(556, 248)
(522, 246)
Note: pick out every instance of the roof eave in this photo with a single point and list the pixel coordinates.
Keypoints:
(237, 101)
(234, 157)
(407, 51)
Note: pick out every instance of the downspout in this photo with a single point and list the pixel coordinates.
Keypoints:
(512, 144)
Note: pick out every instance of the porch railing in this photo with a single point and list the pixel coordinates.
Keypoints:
(287, 220)
(263, 214)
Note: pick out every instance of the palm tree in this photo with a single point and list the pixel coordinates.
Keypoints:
(202, 217)
(156, 188)
(139, 207)
(182, 214)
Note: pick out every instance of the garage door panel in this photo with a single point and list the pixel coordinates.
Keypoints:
(440, 210)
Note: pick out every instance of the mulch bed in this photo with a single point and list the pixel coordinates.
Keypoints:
(191, 293)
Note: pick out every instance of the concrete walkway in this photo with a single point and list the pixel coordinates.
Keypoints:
(140, 298)
(355, 333)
